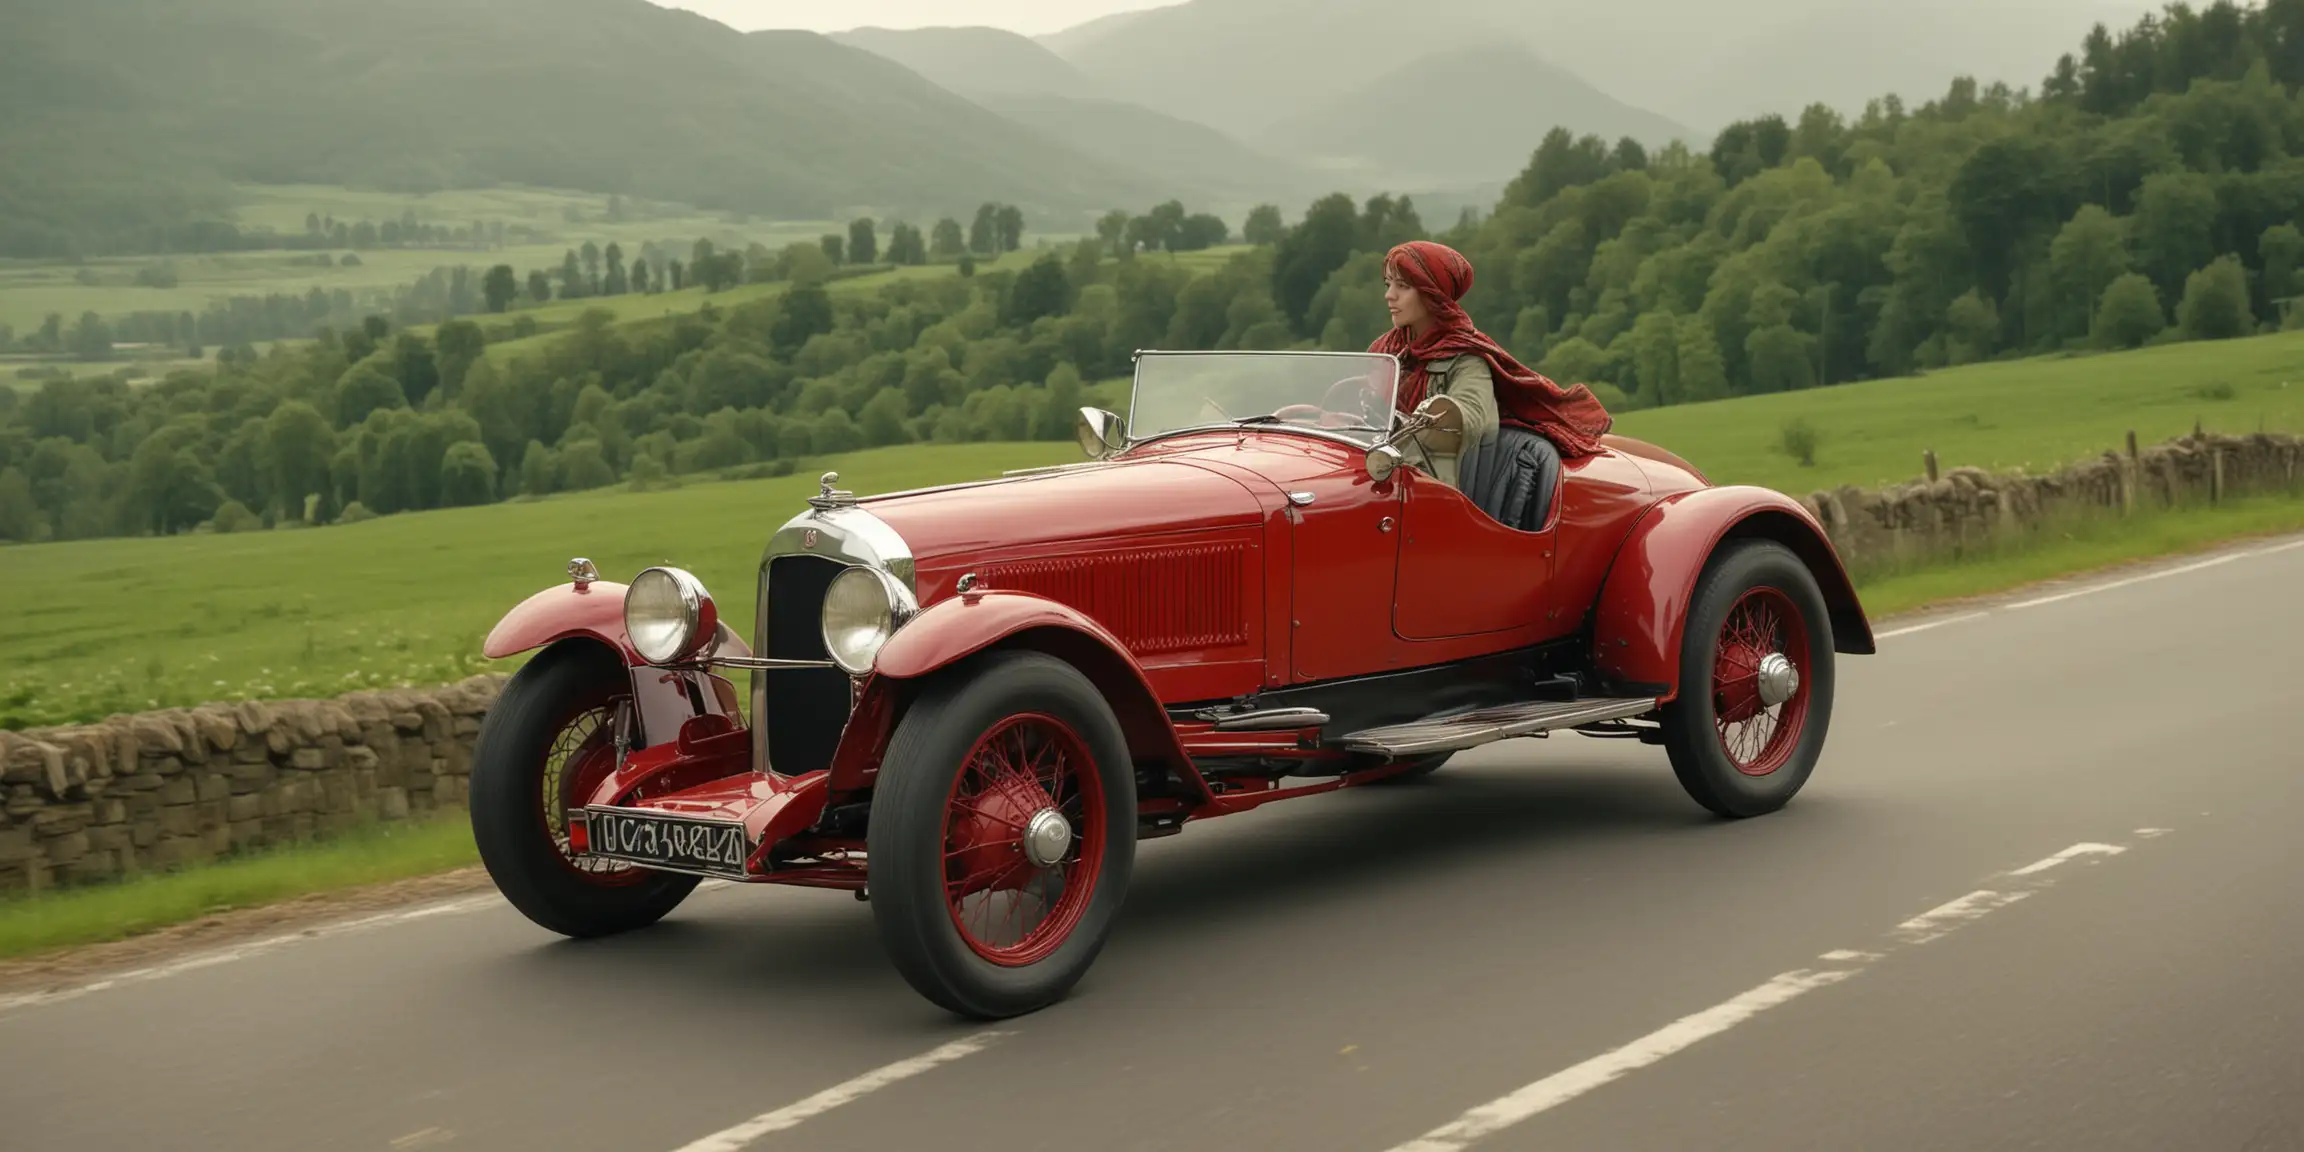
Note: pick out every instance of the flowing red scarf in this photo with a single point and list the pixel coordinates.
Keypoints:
(1572, 418)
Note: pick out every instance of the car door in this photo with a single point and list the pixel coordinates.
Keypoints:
(1460, 572)
(1346, 544)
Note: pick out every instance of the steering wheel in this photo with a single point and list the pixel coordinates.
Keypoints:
(1338, 408)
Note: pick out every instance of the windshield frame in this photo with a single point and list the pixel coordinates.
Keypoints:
(1130, 438)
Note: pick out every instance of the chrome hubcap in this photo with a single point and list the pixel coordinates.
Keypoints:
(1047, 836)
(1778, 679)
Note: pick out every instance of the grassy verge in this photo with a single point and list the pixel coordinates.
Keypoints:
(384, 853)
(370, 855)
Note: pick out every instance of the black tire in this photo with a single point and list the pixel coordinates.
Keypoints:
(1424, 766)
(1692, 737)
(509, 762)
(906, 838)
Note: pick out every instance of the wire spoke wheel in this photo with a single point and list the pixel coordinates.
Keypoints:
(1747, 724)
(1024, 832)
(583, 753)
(1760, 681)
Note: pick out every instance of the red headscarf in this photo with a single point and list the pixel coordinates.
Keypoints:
(1571, 418)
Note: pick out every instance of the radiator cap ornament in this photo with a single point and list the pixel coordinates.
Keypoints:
(828, 496)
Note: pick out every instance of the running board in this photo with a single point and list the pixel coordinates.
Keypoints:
(1488, 725)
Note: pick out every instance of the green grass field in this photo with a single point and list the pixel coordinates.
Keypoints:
(2032, 414)
(31, 290)
(99, 626)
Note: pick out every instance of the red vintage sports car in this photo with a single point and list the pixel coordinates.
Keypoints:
(968, 703)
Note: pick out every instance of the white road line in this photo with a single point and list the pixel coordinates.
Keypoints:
(243, 951)
(1944, 918)
(1907, 631)
(2039, 866)
(197, 961)
(1570, 1083)
(2037, 601)
(2148, 576)
(792, 1115)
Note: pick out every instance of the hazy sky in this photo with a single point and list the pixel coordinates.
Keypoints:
(1031, 17)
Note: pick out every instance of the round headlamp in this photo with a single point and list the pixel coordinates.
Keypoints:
(668, 615)
(862, 609)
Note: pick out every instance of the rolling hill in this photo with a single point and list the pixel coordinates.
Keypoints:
(1506, 100)
(593, 95)
(974, 61)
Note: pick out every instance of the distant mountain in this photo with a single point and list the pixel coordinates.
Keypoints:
(974, 61)
(1500, 105)
(120, 113)
(1080, 36)
(1251, 65)
(1236, 174)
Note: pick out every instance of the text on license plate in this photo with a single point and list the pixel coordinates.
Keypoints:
(709, 846)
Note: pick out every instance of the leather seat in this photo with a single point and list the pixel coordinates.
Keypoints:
(1512, 477)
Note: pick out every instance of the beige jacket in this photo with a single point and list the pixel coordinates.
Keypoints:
(1466, 380)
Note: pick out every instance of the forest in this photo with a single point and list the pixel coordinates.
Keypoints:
(2149, 191)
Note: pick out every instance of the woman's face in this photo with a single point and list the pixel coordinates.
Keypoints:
(1405, 303)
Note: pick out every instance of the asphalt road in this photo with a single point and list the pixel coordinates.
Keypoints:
(2045, 892)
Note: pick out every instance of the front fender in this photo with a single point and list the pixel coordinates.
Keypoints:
(961, 626)
(1642, 613)
(595, 610)
(664, 698)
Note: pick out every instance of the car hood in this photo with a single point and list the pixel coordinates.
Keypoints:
(1082, 503)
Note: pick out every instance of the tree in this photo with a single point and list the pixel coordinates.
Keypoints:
(615, 282)
(591, 268)
(945, 240)
(1009, 226)
(2129, 314)
(1201, 231)
(863, 242)
(571, 277)
(92, 338)
(2085, 258)
(294, 451)
(835, 248)
(2215, 304)
(984, 234)
(467, 475)
(21, 520)
(678, 275)
(906, 245)
(641, 286)
(1317, 247)
(539, 287)
(1041, 290)
(500, 287)
(1263, 225)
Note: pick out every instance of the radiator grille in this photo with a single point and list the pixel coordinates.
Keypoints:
(1154, 600)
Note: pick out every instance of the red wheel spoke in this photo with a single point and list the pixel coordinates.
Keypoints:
(1757, 736)
(1027, 764)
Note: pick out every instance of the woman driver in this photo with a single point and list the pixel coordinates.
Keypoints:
(1441, 352)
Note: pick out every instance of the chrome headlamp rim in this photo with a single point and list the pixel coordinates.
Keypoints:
(900, 608)
(697, 623)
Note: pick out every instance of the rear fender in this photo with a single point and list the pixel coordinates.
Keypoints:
(593, 613)
(962, 626)
(1642, 612)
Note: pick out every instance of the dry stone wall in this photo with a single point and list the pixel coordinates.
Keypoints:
(1967, 510)
(163, 789)
(140, 793)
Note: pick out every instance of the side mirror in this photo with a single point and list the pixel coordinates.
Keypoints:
(1100, 433)
(1382, 461)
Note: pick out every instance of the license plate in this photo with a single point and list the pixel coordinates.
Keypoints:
(716, 847)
